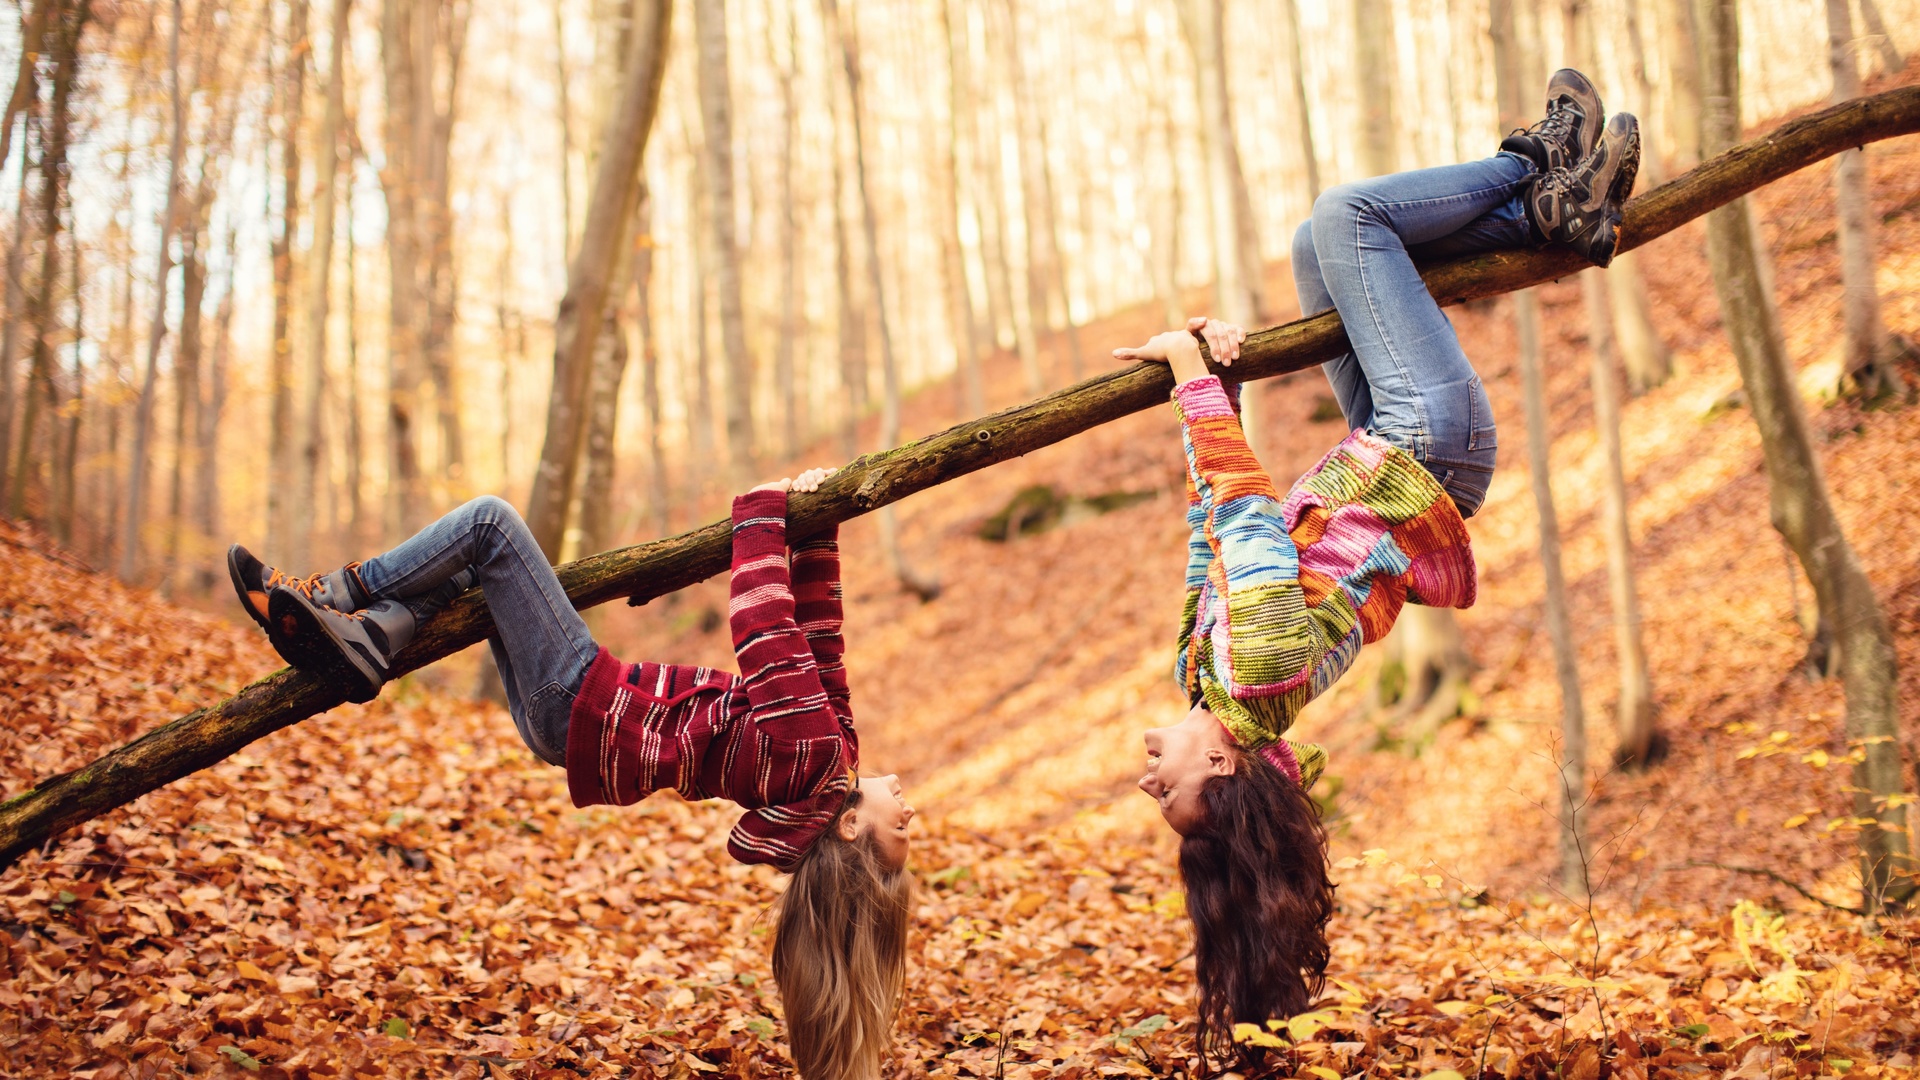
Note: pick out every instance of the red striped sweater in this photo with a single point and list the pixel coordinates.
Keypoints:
(778, 738)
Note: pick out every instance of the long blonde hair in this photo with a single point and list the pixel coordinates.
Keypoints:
(840, 954)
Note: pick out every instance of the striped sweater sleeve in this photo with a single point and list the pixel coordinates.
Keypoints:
(777, 667)
(1258, 643)
(817, 594)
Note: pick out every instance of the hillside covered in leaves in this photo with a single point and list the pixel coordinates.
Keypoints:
(400, 889)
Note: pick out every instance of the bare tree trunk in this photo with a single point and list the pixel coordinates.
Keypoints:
(698, 392)
(716, 125)
(784, 375)
(609, 369)
(954, 258)
(74, 407)
(1047, 300)
(1374, 75)
(1309, 157)
(1640, 743)
(143, 413)
(186, 388)
(1891, 61)
(207, 498)
(448, 26)
(659, 493)
(924, 587)
(356, 520)
(1235, 291)
(282, 440)
(1642, 352)
(1024, 317)
(616, 190)
(405, 495)
(313, 350)
(23, 233)
(565, 110)
(989, 184)
(1680, 43)
(1801, 508)
(1426, 670)
(1510, 64)
(1866, 372)
(851, 325)
(1572, 769)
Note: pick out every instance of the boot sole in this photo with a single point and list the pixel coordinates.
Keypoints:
(1617, 193)
(303, 639)
(240, 586)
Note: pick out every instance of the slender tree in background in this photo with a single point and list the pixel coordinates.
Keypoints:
(186, 379)
(716, 126)
(1374, 81)
(143, 412)
(850, 325)
(1679, 43)
(1047, 301)
(282, 440)
(1634, 710)
(313, 345)
(659, 493)
(1867, 370)
(1890, 60)
(924, 587)
(1853, 635)
(1510, 66)
(608, 231)
(1025, 319)
(63, 29)
(207, 483)
(786, 379)
(1236, 250)
(23, 230)
(26, 82)
(960, 315)
(1297, 67)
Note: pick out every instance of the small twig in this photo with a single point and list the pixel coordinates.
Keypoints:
(1776, 877)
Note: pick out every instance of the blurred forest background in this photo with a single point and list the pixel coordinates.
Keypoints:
(301, 272)
(306, 275)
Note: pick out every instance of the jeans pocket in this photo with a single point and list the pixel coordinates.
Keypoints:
(548, 712)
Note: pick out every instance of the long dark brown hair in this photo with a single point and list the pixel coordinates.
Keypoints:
(840, 954)
(1259, 896)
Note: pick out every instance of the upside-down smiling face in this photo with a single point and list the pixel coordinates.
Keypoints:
(884, 809)
(1180, 760)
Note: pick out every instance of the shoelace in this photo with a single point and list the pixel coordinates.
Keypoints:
(1557, 125)
(304, 586)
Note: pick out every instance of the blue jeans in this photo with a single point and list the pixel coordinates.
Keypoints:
(1407, 379)
(540, 643)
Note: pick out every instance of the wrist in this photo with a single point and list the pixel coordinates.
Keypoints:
(1184, 358)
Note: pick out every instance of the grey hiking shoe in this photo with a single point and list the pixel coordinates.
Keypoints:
(253, 580)
(351, 650)
(1571, 127)
(1580, 207)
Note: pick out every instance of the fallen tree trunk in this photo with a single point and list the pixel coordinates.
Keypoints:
(644, 571)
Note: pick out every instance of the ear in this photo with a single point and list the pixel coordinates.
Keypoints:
(1219, 762)
(848, 827)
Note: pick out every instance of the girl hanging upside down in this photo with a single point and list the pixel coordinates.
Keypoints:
(778, 738)
(1283, 590)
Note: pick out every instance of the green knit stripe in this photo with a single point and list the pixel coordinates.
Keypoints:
(1401, 488)
(1272, 641)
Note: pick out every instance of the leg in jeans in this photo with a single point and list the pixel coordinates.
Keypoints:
(1407, 379)
(541, 644)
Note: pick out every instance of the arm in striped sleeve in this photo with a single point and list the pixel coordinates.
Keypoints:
(817, 594)
(777, 668)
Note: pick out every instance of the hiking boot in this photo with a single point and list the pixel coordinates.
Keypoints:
(1580, 207)
(353, 651)
(253, 580)
(1571, 127)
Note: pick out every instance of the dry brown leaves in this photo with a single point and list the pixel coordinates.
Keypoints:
(399, 889)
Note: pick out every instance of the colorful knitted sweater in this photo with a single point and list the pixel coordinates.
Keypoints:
(1282, 594)
(778, 738)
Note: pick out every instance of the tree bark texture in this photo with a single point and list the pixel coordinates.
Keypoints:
(716, 144)
(1801, 508)
(644, 571)
(616, 191)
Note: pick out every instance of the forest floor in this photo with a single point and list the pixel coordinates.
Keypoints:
(399, 888)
